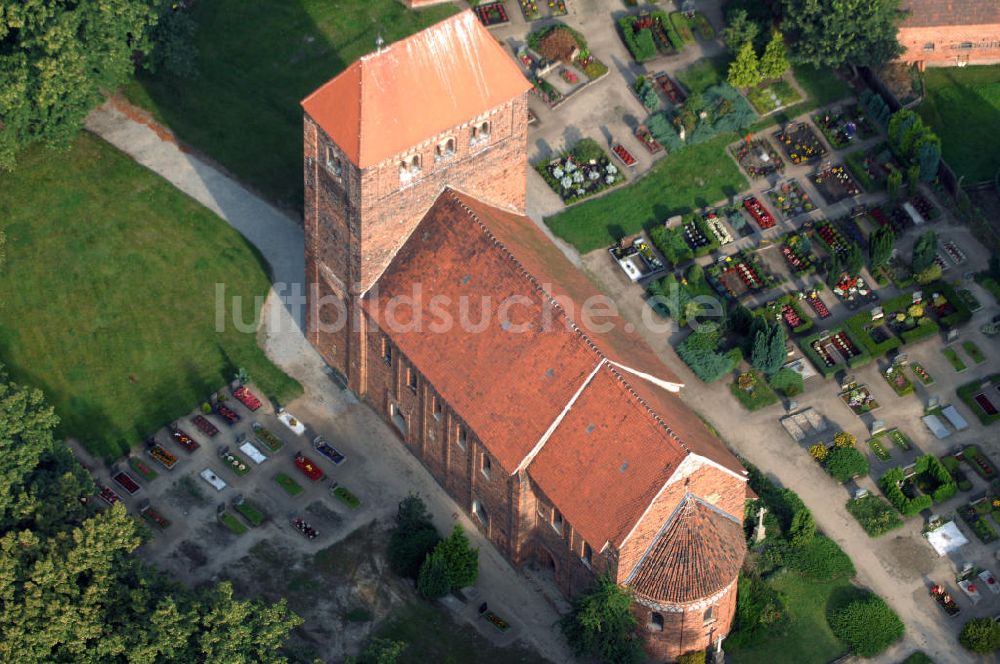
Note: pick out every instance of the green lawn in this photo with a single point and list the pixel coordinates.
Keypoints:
(697, 176)
(958, 103)
(704, 73)
(805, 636)
(257, 60)
(109, 295)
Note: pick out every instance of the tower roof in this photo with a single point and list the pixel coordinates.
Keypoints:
(415, 89)
(697, 553)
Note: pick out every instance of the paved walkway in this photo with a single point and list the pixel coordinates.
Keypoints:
(391, 471)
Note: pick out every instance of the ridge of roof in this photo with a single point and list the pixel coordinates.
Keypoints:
(457, 196)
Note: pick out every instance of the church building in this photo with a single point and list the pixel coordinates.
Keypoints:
(454, 317)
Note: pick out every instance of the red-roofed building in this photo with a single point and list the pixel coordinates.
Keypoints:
(471, 334)
(950, 32)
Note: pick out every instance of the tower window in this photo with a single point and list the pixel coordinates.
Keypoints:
(487, 466)
(409, 167)
(333, 163)
(480, 133)
(461, 438)
(481, 514)
(709, 616)
(965, 46)
(445, 149)
(386, 352)
(557, 521)
(929, 46)
(411, 379)
(655, 622)
(398, 418)
(588, 554)
(436, 407)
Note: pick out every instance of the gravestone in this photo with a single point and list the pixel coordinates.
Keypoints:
(952, 335)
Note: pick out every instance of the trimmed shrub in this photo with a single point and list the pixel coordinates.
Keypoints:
(788, 382)
(932, 472)
(889, 484)
(700, 352)
(867, 625)
(820, 559)
(433, 581)
(875, 515)
(843, 463)
(981, 635)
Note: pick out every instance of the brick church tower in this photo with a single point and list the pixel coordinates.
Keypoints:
(445, 106)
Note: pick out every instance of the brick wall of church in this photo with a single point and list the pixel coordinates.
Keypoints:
(946, 46)
(686, 628)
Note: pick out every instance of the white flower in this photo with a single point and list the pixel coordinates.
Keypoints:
(557, 172)
(594, 175)
(570, 166)
(611, 168)
(581, 192)
(578, 177)
(610, 179)
(566, 182)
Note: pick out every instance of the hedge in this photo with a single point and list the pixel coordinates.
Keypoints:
(962, 313)
(889, 484)
(640, 44)
(843, 463)
(856, 328)
(931, 468)
(821, 559)
(874, 514)
(924, 329)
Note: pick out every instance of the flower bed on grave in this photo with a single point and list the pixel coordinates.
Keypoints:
(796, 251)
(673, 92)
(647, 140)
(108, 495)
(974, 514)
(308, 467)
(790, 200)
(290, 486)
(814, 301)
(582, 172)
(141, 469)
(788, 310)
(896, 377)
(842, 126)
(162, 456)
(154, 517)
(859, 399)
(830, 350)
(900, 439)
(759, 213)
(738, 275)
(498, 622)
(718, 229)
(229, 415)
(253, 514)
(204, 426)
(835, 183)
(267, 438)
(184, 440)
(758, 158)
(234, 463)
(623, 155)
(346, 497)
(944, 599)
(649, 34)
(922, 375)
(492, 13)
(833, 238)
(534, 10)
(979, 462)
(800, 143)
(247, 398)
(126, 481)
(561, 43)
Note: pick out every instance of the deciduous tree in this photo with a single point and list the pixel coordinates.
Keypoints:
(833, 33)
(601, 624)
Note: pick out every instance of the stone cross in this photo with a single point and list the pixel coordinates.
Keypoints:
(759, 532)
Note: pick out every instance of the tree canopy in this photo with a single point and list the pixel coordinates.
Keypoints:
(833, 33)
(71, 588)
(601, 624)
(744, 70)
(56, 56)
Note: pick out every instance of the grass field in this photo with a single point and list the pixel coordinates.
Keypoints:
(108, 298)
(805, 636)
(257, 60)
(695, 177)
(958, 104)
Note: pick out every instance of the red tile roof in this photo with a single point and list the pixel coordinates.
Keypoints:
(697, 553)
(933, 13)
(415, 89)
(606, 461)
(532, 394)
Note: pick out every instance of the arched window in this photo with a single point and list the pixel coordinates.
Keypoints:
(479, 133)
(557, 521)
(480, 512)
(409, 167)
(445, 149)
(655, 622)
(709, 615)
(487, 466)
(333, 163)
(588, 554)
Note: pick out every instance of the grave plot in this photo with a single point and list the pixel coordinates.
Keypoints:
(800, 143)
(790, 200)
(843, 125)
(835, 183)
(758, 158)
